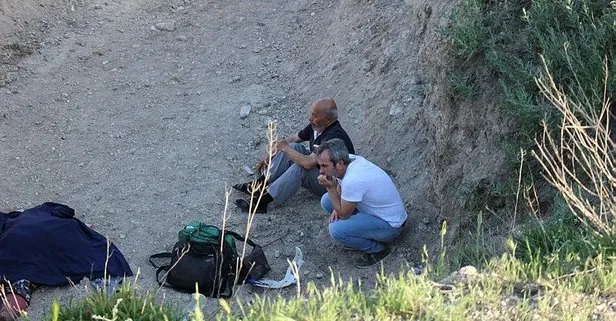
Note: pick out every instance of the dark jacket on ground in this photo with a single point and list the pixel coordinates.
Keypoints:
(48, 245)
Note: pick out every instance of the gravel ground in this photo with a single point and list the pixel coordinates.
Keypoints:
(131, 113)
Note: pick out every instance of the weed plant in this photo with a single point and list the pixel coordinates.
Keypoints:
(125, 304)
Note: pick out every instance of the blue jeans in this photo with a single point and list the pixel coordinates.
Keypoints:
(361, 231)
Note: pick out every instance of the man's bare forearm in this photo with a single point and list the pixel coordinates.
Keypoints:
(305, 161)
(334, 197)
(292, 139)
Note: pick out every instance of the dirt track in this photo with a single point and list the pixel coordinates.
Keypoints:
(130, 114)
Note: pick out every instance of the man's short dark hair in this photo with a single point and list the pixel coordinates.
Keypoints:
(337, 150)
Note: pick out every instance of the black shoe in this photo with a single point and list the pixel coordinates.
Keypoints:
(246, 188)
(245, 206)
(370, 259)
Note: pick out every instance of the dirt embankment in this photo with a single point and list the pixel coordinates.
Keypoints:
(389, 63)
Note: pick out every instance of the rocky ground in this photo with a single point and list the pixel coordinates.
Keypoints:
(141, 114)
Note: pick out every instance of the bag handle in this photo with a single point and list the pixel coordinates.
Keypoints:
(159, 256)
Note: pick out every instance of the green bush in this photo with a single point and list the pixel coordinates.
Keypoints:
(575, 37)
(512, 40)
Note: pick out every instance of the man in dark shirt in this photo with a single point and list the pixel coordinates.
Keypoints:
(294, 166)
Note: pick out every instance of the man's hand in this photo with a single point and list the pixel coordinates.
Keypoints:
(334, 217)
(261, 165)
(265, 159)
(282, 145)
(327, 181)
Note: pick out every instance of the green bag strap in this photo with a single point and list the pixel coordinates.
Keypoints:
(241, 238)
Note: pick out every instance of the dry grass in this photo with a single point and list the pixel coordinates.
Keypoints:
(260, 189)
(579, 161)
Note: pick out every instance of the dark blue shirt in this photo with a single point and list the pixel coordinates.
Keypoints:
(49, 246)
(332, 131)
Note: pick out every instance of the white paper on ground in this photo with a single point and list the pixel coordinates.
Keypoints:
(248, 170)
(289, 278)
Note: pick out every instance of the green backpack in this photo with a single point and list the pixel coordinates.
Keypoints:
(202, 259)
(200, 234)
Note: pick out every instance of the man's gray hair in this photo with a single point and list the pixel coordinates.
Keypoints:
(337, 150)
(333, 112)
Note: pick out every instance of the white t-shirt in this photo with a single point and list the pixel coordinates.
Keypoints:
(373, 190)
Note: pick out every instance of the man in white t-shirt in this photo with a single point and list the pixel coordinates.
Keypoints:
(366, 211)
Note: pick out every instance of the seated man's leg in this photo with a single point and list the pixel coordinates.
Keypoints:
(310, 182)
(364, 232)
(287, 184)
(279, 165)
(291, 180)
(281, 162)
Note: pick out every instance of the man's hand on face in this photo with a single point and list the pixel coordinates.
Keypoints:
(327, 181)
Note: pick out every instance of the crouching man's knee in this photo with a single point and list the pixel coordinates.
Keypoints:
(337, 233)
(326, 204)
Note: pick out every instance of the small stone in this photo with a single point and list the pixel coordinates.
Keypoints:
(98, 51)
(245, 111)
(235, 79)
(122, 236)
(319, 275)
(469, 270)
(277, 253)
(395, 110)
(368, 65)
(181, 38)
(166, 26)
